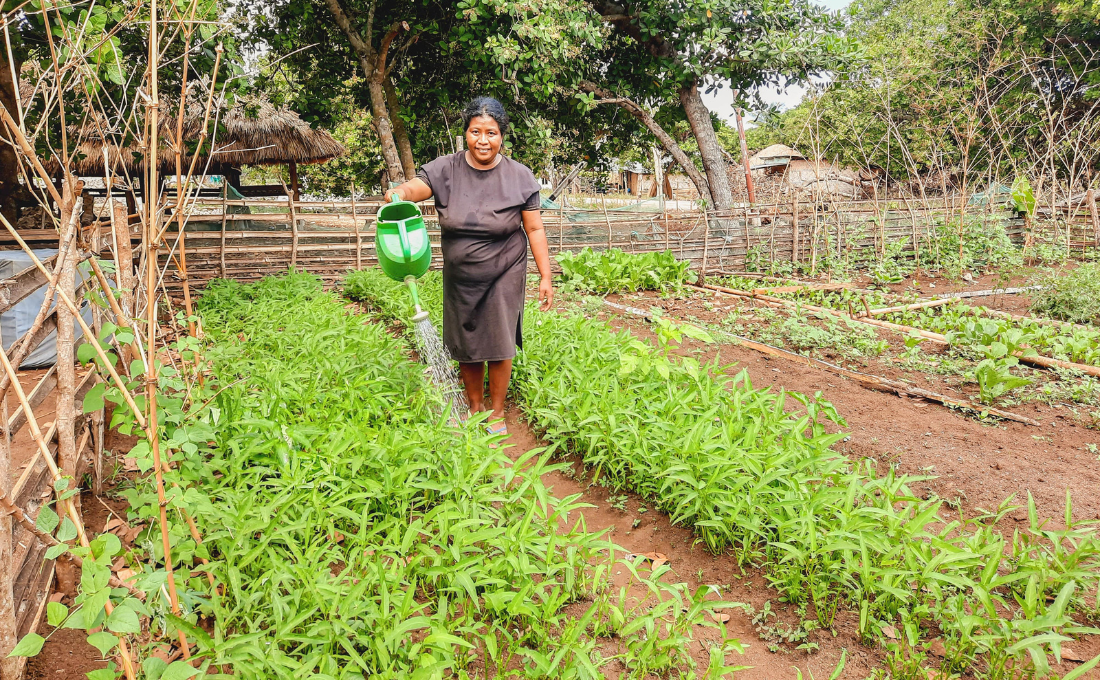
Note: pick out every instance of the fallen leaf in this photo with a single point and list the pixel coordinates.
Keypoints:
(118, 564)
(1069, 654)
(56, 597)
(890, 632)
(129, 464)
(115, 523)
(125, 575)
(720, 617)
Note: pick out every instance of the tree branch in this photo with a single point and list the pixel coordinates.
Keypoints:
(666, 140)
(384, 48)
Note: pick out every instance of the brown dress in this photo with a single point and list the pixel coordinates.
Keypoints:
(484, 253)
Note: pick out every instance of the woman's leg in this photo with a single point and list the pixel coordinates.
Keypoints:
(500, 372)
(473, 378)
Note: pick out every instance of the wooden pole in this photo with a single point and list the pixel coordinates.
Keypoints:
(9, 633)
(561, 227)
(745, 155)
(358, 234)
(293, 230)
(66, 359)
(1091, 198)
(794, 228)
(606, 219)
(221, 249)
(294, 181)
(706, 241)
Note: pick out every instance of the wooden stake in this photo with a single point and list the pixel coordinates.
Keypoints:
(606, 219)
(794, 228)
(1091, 198)
(221, 250)
(293, 230)
(9, 633)
(358, 235)
(745, 156)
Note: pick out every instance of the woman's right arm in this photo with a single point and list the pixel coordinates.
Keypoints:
(414, 190)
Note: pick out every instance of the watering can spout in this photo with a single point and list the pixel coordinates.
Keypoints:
(420, 314)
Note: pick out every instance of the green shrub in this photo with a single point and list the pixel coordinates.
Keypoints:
(1070, 295)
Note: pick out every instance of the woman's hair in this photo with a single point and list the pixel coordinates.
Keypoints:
(485, 106)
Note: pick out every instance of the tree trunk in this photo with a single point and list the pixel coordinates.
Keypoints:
(400, 133)
(385, 132)
(368, 61)
(9, 167)
(711, 151)
(663, 137)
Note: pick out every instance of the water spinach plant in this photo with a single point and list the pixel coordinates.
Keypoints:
(759, 481)
(357, 534)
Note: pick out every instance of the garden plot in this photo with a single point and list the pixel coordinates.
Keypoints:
(762, 486)
(359, 535)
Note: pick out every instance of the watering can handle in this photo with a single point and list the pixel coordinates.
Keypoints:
(395, 197)
(403, 236)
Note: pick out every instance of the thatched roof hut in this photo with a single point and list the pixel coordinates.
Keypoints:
(252, 132)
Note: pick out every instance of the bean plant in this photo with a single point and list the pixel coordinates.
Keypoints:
(753, 472)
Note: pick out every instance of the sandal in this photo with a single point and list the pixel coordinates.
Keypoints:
(500, 427)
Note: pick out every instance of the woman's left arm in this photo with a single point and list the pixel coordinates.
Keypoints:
(536, 235)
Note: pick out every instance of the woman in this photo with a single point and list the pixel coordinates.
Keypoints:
(483, 199)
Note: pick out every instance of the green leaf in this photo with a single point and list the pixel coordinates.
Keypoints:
(67, 532)
(123, 620)
(47, 519)
(56, 613)
(93, 400)
(85, 353)
(154, 667)
(103, 641)
(55, 551)
(102, 674)
(30, 645)
(179, 670)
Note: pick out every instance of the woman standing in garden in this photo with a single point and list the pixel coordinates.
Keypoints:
(488, 208)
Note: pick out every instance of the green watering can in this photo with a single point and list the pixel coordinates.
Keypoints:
(401, 242)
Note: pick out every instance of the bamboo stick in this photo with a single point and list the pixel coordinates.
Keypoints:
(916, 305)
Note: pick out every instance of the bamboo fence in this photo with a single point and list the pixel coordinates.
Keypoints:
(248, 239)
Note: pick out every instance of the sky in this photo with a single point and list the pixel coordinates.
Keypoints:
(721, 102)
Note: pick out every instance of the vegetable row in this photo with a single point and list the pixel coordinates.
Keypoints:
(757, 479)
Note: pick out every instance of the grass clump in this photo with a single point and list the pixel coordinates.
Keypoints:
(1070, 295)
(616, 271)
(358, 535)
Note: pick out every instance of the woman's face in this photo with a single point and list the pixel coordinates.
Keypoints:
(483, 139)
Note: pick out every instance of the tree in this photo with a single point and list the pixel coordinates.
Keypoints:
(661, 46)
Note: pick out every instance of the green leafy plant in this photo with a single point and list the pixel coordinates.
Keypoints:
(615, 271)
(1072, 295)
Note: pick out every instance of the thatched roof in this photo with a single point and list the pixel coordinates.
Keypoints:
(252, 132)
(777, 151)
